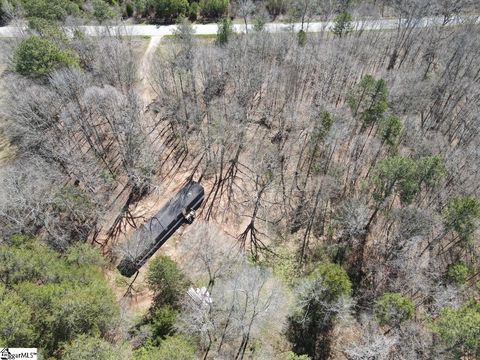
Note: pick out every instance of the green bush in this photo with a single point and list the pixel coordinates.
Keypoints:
(89, 348)
(462, 216)
(3, 14)
(406, 176)
(193, 11)
(50, 9)
(225, 31)
(15, 326)
(459, 329)
(276, 7)
(319, 301)
(174, 347)
(102, 11)
(47, 29)
(129, 9)
(214, 9)
(168, 10)
(83, 254)
(342, 24)
(458, 273)
(259, 22)
(166, 281)
(48, 300)
(293, 356)
(140, 6)
(392, 309)
(335, 279)
(36, 57)
(389, 130)
(302, 38)
(284, 266)
(162, 322)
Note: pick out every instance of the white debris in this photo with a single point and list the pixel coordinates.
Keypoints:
(201, 296)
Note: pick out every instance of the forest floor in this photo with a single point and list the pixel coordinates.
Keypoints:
(139, 300)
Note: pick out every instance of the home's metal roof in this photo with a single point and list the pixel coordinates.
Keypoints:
(153, 234)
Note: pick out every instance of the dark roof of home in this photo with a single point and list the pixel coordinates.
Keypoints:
(153, 234)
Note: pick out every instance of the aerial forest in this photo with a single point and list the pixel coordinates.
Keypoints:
(341, 170)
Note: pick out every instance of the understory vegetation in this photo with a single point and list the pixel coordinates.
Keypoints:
(342, 190)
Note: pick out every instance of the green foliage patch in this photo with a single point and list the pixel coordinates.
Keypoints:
(51, 299)
(167, 10)
(175, 347)
(214, 9)
(406, 176)
(368, 100)
(319, 300)
(392, 309)
(459, 329)
(50, 9)
(458, 273)
(36, 56)
(225, 31)
(166, 280)
(342, 24)
(462, 216)
(335, 279)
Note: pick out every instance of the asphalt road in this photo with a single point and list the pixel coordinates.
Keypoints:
(210, 29)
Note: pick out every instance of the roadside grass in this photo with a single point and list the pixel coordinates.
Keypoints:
(205, 37)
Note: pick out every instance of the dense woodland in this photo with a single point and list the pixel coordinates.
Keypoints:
(169, 11)
(342, 176)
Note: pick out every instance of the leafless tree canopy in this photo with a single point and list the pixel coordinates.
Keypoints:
(301, 148)
(246, 300)
(360, 151)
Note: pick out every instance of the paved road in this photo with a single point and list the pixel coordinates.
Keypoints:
(209, 29)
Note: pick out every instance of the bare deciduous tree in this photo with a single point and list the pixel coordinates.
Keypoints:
(243, 305)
